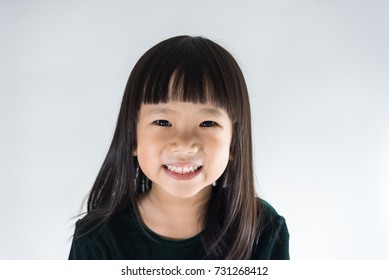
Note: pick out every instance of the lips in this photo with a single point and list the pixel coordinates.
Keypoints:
(182, 171)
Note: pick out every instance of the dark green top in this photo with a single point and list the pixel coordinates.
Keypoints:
(125, 237)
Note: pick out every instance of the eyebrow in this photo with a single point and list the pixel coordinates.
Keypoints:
(208, 111)
(160, 111)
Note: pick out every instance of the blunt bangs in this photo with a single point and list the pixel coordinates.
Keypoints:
(189, 69)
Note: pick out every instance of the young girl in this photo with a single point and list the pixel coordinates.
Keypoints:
(177, 182)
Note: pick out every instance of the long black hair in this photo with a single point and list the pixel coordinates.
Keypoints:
(188, 69)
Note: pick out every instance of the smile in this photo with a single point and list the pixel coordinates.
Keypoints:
(182, 169)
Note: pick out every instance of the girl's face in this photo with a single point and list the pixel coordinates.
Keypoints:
(183, 147)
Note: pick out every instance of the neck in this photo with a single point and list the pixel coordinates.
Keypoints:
(174, 217)
(165, 202)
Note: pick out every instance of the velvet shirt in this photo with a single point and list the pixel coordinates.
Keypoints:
(125, 237)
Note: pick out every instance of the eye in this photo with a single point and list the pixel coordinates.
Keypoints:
(162, 123)
(208, 124)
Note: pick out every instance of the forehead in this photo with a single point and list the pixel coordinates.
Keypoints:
(179, 108)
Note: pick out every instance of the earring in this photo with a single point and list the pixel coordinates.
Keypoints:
(146, 183)
(143, 184)
(136, 175)
(214, 184)
(225, 180)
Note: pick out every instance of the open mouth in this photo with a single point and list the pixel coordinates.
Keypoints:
(183, 169)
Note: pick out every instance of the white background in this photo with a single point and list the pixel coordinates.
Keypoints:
(318, 77)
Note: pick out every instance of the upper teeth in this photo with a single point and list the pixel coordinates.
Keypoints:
(182, 170)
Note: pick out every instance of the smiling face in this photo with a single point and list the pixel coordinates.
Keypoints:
(183, 147)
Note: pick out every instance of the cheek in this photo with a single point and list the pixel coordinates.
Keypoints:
(148, 159)
(149, 148)
(218, 149)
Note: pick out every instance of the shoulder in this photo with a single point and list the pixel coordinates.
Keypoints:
(273, 236)
(92, 240)
(272, 223)
(269, 213)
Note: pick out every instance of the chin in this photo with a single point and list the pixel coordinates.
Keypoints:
(185, 194)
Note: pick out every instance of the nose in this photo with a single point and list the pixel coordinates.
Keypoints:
(184, 143)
